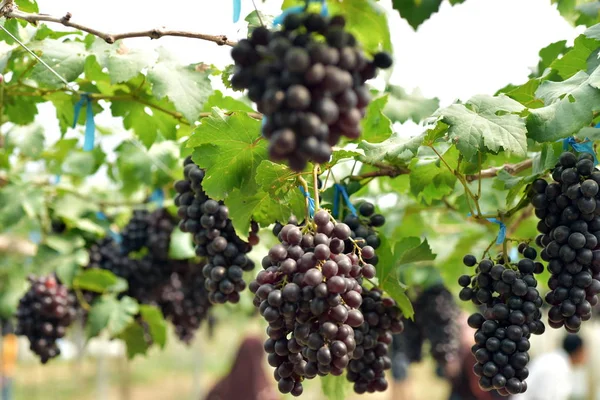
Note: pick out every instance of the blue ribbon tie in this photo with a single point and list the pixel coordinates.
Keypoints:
(501, 233)
(587, 146)
(341, 190)
(237, 10)
(90, 126)
(158, 197)
(311, 201)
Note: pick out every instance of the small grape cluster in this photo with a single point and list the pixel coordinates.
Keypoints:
(134, 235)
(43, 315)
(308, 79)
(382, 318)
(363, 228)
(309, 292)
(569, 213)
(214, 236)
(437, 317)
(183, 299)
(410, 343)
(511, 314)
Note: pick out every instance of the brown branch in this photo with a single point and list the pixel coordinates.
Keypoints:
(390, 171)
(10, 11)
(512, 169)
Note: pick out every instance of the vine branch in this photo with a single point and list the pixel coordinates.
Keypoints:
(512, 169)
(10, 11)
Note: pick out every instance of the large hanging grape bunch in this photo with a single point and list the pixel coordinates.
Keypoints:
(569, 224)
(510, 314)
(214, 236)
(43, 315)
(363, 228)
(437, 317)
(308, 79)
(309, 292)
(383, 318)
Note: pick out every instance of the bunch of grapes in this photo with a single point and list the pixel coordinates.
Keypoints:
(134, 235)
(362, 227)
(382, 318)
(214, 236)
(511, 314)
(183, 299)
(308, 79)
(569, 213)
(44, 314)
(309, 292)
(410, 343)
(437, 317)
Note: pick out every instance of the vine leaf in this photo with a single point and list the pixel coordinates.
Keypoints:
(157, 325)
(407, 251)
(575, 60)
(188, 87)
(376, 126)
(121, 62)
(593, 32)
(334, 387)
(397, 150)
(230, 148)
(66, 58)
(402, 106)
(486, 124)
(429, 180)
(570, 106)
(99, 281)
(135, 340)
(415, 12)
(112, 314)
(225, 103)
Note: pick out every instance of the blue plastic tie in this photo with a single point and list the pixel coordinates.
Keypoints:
(35, 237)
(587, 146)
(57, 179)
(114, 235)
(237, 10)
(311, 202)
(90, 126)
(158, 197)
(299, 9)
(341, 190)
(501, 233)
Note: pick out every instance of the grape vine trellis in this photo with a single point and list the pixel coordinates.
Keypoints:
(478, 157)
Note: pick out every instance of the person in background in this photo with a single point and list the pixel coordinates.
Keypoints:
(550, 374)
(8, 360)
(247, 379)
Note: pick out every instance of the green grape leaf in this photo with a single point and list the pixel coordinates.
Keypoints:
(188, 87)
(486, 124)
(548, 157)
(549, 54)
(376, 127)
(576, 59)
(99, 281)
(335, 387)
(430, 179)
(29, 6)
(134, 167)
(180, 246)
(134, 337)
(121, 62)
(590, 133)
(156, 323)
(29, 139)
(409, 251)
(525, 94)
(570, 106)
(416, 11)
(366, 20)
(397, 150)
(593, 32)
(230, 148)
(66, 58)
(263, 207)
(402, 106)
(21, 110)
(112, 314)
(225, 103)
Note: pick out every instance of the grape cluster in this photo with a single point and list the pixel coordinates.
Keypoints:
(410, 343)
(183, 299)
(308, 79)
(362, 227)
(511, 314)
(309, 292)
(43, 315)
(134, 235)
(437, 317)
(382, 318)
(214, 236)
(569, 213)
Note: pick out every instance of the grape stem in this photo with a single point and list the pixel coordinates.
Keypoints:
(81, 300)
(316, 171)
